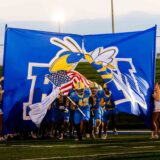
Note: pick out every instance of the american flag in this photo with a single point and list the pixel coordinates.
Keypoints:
(67, 80)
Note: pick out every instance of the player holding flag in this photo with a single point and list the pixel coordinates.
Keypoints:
(63, 82)
(81, 99)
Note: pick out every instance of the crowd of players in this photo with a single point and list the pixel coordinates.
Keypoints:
(84, 113)
(87, 111)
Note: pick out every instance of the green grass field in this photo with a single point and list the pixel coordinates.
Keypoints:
(115, 147)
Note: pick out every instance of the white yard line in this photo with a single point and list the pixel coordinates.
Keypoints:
(58, 145)
(107, 143)
(131, 131)
(76, 145)
(69, 146)
(126, 131)
(91, 145)
(91, 155)
(144, 147)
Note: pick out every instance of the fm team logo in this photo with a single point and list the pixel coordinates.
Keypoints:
(119, 72)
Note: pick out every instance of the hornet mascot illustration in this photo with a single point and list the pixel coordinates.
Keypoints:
(102, 59)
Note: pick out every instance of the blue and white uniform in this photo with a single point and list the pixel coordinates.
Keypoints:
(83, 102)
(109, 110)
(97, 109)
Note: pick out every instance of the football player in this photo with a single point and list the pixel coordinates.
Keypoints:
(110, 111)
(96, 95)
(82, 108)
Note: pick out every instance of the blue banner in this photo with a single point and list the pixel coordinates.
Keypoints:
(126, 62)
(28, 57)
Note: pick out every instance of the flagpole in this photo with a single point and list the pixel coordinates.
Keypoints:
(112, 15)
(59, 27)
(76, 106)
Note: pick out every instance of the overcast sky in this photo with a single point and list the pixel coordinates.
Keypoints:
(81, 16)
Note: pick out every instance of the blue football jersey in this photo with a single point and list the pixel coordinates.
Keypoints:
(111, 99)
(97, 98)
(81, 100)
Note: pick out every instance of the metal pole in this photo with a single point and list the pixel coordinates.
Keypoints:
(59, 27)
(112, 13)
(6, 26)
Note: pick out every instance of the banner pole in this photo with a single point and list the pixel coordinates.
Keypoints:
(112, 14)
(6, 26)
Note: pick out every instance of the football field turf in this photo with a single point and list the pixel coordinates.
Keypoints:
(116, 147)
